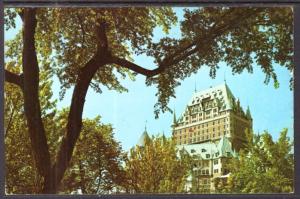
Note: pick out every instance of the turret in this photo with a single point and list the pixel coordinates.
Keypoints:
(144, 138)
(174, 119)
(248, 114)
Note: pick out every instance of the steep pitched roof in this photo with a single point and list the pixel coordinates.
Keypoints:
(221, 93)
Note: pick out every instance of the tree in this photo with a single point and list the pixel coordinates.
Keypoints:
(96, 166)
(91, 45)
(21, 175)
(157, 167)
(264, 166)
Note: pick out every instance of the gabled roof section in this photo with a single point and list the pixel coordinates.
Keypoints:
(225, 147)
(221, 93)
(210, 150)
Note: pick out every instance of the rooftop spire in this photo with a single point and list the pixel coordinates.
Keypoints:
(145, 126)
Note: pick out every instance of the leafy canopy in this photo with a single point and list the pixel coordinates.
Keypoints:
(264, 166)
(65, 41)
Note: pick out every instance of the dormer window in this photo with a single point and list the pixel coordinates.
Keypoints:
(207, 156)
(203, 150)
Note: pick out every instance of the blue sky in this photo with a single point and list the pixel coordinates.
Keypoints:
(272, 109)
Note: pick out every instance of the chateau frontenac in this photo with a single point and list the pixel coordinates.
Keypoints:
(212, 127)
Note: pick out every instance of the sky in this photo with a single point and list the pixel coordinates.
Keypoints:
(131, 112)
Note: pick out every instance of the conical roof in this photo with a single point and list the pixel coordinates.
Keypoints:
(142, 139)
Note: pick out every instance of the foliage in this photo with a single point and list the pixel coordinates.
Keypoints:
(237, 36)
(21, 175)
(264, 166)
(157, 167)
(96, 166)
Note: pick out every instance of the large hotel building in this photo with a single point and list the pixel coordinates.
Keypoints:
(213, 128)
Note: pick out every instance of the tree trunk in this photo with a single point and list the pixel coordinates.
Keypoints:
(101, 57)
(31, 95)
(53, 174)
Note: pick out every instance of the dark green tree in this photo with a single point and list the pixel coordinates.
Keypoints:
(264, 166)
(96, 165)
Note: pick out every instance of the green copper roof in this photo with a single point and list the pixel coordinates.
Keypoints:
(220, 93)
(210, 150)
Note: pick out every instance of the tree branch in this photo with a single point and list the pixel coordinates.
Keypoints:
(74, 124)
(14, 78)
(134, 67)
(9, 121)
(186, 51)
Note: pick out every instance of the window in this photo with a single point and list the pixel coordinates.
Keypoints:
(203, 150)
(228, 153)
(216, 161)
(217, 154)
(207, 156)
(216, 170)
(203, 172)
(193, 151)
(207, 172)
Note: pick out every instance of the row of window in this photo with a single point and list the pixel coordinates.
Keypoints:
(199, 133)
(204, 125)
(203, 137)
(205, 115)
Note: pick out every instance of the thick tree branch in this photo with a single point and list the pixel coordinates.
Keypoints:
(134, 67)
(227, 23)
(14, 78)
(74, 124)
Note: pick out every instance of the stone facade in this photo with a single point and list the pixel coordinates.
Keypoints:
(212, 128)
